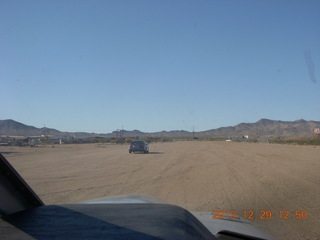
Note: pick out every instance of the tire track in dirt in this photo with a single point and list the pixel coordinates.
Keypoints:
(273, 172)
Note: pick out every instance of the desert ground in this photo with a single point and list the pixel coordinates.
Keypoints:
(197, 175)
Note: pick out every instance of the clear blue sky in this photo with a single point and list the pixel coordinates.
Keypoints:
(98, 65)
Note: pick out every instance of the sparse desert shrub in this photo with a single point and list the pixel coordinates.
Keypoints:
(297, 140)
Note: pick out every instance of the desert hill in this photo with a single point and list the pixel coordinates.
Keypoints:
(261, 128)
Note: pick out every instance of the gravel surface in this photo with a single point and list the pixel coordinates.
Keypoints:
(197, 175)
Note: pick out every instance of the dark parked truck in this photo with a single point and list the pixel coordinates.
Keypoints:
(138, 146)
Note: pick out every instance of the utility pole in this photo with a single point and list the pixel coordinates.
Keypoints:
(193, 132)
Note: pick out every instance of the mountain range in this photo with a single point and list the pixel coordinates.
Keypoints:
(262, 128)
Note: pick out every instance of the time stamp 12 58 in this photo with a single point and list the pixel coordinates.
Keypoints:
(264, 214)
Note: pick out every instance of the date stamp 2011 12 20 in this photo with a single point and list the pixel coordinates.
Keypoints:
(263, 214)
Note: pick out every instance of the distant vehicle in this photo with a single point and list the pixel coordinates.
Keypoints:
(139, 146)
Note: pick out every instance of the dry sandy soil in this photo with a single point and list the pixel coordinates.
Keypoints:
(199, 176)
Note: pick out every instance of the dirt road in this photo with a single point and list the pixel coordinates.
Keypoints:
(199, 176)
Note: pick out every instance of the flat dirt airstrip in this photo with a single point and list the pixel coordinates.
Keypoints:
(197, 175)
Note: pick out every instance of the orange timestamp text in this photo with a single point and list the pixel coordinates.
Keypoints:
(263, 214)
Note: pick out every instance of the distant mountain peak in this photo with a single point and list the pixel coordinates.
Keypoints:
(300, 121)
(265, 121)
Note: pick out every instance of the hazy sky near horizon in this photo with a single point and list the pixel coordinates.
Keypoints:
(152, 65)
